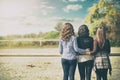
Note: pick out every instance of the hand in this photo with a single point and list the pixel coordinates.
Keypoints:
(87, 50)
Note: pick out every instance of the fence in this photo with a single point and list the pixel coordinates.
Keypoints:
(28, 42)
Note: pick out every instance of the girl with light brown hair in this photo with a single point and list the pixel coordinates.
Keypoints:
(68, 48)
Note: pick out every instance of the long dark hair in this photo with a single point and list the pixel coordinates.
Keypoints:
(83, 30)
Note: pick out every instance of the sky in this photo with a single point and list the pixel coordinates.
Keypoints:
(34, 16)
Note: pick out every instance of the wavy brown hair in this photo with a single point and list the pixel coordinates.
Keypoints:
(101, 36)
(67, 31)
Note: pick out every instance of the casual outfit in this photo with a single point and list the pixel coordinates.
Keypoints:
(102, 61)
(68, 50)
(85, 62)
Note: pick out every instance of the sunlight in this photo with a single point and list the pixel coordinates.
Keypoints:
(12, 8)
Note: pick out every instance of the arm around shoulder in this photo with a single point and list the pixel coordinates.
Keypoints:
(75, 46)
(94, 47)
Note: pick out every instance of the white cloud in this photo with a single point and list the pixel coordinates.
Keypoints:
(83, 0)
(30, 24)
(70, 0)
(18, 8)
(34, 24)
(72, 7)
(73, 0)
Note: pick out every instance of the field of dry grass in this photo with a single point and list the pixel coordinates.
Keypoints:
(41, 68)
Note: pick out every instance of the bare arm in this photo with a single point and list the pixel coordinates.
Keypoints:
(94, 47)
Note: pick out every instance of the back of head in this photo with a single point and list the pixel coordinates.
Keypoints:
(67, 31)
(101, 35)
(83, 30)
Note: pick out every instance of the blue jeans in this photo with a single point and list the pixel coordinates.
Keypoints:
(85, 69)
(69, 67)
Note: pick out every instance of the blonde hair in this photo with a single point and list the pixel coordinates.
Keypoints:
(101, 36)
(67, 31)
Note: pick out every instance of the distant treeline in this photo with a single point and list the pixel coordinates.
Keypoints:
(28, 44)
(47, 35)
(49, 39)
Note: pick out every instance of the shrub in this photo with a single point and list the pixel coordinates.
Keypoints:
(52, 35)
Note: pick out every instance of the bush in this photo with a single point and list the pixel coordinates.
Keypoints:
(52, 35)
(115, 43)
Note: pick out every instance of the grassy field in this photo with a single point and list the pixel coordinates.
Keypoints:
(42, 68)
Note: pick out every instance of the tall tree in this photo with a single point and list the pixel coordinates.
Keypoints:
(58, 26)
(106, 12)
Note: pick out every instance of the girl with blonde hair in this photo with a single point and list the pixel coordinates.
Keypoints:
(102, 51)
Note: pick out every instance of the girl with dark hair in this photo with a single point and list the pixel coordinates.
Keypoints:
(85, 62)
(68, 48)
(102, 51)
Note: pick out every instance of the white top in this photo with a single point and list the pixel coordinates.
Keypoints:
(84, 58)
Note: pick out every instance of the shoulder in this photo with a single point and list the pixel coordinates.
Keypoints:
(73, 38)
(60, 40)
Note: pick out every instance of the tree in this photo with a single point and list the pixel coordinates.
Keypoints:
(51, 35)
(106, 12)
(58, 26)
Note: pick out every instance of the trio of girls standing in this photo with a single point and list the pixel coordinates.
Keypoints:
(75, 50)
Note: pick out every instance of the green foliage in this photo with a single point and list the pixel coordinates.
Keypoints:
(115, 43)
(52, 35)
(30, 40)
(19, 44)
(58, 26)
(29, 44)
(1, 38)
(105, 12)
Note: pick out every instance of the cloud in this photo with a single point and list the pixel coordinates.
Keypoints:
(82, 0)
(73, 0)
(34, 24)
(45, 9)
(17, 8)
(76, 22)
(72, 8)
(70, 0)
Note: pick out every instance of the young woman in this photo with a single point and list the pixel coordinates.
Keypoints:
(85, 62)
(68, 48)
(102, 52)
